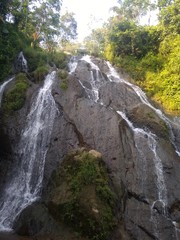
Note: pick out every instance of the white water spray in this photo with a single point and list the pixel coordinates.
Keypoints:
(72, 65)
(25, 186)
(2, 88)
(113, 76)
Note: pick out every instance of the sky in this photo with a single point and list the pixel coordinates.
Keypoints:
(89, 14)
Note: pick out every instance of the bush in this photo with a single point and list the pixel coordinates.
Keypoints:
(58, 59)
(63, 74)
(36, 57)
(40, 73)
(11, 43)
(64, 85)
(15, 97)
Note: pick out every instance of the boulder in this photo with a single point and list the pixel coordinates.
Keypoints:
(34, 220)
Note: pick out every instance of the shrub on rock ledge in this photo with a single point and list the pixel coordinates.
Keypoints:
(81, 196)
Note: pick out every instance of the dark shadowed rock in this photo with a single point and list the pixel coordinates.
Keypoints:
(34, 220)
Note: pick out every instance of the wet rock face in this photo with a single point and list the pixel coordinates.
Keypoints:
(131, 155)
(20, 64)
(118, 96)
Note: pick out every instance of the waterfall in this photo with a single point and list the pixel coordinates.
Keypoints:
(26, 183)
(72, 64)
(96, 79)
(149, 140)
(2, 88)
(20, 64)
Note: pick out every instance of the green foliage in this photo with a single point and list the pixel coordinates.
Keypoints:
(87, 171)
(95, 43)
(16, 96)
(36, 57)
(11, 43)
(129, 39)
(68, 28)
(57, 58)
(63, 74)
(134, 9)
(170, 18)
(39, 58)
(40, 73)
(164, 87)
(64, 84)
(149, 54)
(31, 18)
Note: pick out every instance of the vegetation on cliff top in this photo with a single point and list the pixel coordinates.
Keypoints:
(150, 54)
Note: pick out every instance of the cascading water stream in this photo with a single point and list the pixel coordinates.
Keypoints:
(150, 140)
(152, 145)
(2, 88)
(96, 80)
(72, 64)
(25, 186)
(113, 76)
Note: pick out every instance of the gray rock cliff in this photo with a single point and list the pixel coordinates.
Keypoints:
(142, 161)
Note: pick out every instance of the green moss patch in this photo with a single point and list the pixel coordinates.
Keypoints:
(81, 196)
(16, 96)
(40, 73)
(63, 76)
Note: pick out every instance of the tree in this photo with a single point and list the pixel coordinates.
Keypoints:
(40, 19)
(95, 42)
(170, 17)
(4, 9)
(164, 3)
(68, 26)
(134, 9)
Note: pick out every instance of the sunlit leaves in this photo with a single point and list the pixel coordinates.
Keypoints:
(151, 55)
(170, 17)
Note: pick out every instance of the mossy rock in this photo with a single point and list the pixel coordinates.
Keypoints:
(64, 84)
(144, 116)
(62, 74)
(15, 97)
(80, 196)
(40, 73)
